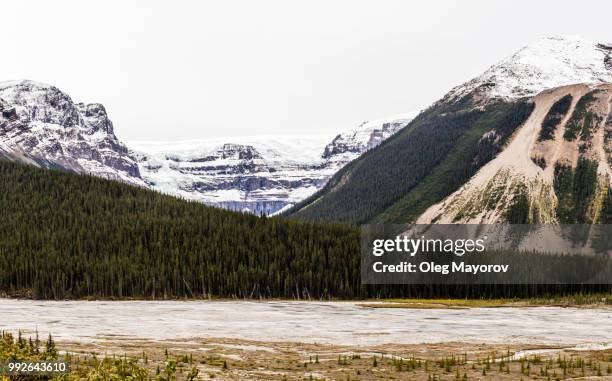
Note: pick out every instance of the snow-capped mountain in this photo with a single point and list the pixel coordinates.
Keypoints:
(528, 170)
(41, 125)
(261, 175)
(478, 153)
(546, 64)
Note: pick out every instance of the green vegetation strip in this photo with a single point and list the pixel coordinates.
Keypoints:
(578, 300)
(582, 120)
(556, 113)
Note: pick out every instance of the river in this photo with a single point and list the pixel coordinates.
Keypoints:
(342, 323)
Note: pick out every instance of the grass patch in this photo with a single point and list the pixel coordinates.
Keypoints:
(576, 300)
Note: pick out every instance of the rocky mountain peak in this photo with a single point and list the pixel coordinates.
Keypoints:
(42, 124)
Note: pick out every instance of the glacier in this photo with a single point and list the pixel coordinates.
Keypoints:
(261, 174)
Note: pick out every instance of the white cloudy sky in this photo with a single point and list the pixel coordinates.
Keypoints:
(169, 70)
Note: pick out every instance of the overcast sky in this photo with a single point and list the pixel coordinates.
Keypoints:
(171, 70)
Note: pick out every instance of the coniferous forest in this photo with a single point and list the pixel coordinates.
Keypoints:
(64, 235)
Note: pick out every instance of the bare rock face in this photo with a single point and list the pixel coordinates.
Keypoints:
(41, 125)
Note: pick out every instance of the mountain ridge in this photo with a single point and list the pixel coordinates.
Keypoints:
(530, 168)
(548, 63)
(424, 159)
(480, 117)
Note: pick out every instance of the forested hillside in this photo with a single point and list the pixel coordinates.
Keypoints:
(65, 235)
(433, 156)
